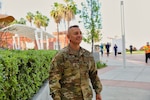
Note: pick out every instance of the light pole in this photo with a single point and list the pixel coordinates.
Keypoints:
(123, 32)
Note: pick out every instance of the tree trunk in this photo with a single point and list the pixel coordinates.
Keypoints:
(58, 37)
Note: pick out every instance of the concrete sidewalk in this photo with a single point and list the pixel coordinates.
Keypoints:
(129, 82)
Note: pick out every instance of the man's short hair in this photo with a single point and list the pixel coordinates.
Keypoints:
(73, 26)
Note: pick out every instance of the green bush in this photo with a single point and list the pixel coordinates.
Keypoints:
(22, 73)
(100, 65)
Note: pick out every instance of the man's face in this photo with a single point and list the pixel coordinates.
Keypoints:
(75, 35)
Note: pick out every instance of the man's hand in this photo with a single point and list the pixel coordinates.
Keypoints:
(98, 97)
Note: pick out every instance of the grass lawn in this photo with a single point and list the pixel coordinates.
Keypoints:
(136, 52)
(102, 64)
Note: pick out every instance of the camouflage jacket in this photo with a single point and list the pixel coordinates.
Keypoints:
(71, 73)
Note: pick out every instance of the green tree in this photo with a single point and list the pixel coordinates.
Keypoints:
(20, 21)
(65, 12)
(69, 11)
(91, 19)
(45, 21)
(56, 14)
(30, 17)
(38, 17)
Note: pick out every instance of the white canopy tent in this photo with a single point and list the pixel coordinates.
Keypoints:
(30, 32)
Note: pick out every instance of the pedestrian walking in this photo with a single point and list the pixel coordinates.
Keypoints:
(131, 49)
(107, 46)
(115, 49)
(101, 49)
(147, 52)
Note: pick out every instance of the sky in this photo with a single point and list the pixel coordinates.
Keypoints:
(136, 18)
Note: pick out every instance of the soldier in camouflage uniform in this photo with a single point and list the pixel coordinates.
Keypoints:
(71, 71)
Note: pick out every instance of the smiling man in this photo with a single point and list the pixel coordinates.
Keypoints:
(72, 70)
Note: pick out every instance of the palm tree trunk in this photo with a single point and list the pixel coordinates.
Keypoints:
(30, 23)
(66, 41)
(58, 37)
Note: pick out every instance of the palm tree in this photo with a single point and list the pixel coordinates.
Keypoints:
(22, 21)
(45, 21)
(69, 12)
(30, 17)
(38, 19)
(56, 13)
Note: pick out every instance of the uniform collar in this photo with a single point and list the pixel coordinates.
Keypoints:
(73, 52)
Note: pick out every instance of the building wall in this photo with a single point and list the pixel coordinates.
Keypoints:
(6, 40)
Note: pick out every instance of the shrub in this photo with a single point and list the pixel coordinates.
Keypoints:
(22, 73)
(100, 65)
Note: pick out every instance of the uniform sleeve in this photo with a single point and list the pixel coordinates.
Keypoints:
(95, 80)
(54, 79)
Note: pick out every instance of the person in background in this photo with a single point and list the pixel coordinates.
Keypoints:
(101, 49)
(147, 52)
(115, 49)
(107, 46)
(131, 49)
(71, 69)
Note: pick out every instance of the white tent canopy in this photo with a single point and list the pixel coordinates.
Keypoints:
(20, 30)
(24, 30)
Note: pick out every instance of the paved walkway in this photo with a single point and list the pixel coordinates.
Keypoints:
(129, 82)
(125, 82)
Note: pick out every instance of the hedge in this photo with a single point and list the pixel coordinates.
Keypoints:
(22, 73)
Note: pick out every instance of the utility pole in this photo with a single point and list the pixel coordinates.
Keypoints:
(123, 33)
